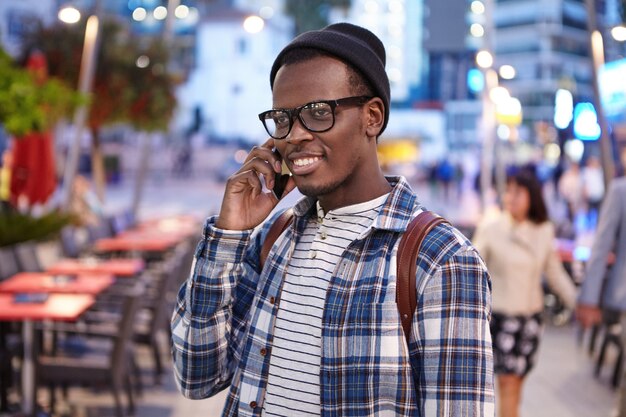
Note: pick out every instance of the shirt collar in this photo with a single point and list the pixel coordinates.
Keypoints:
(395, 214)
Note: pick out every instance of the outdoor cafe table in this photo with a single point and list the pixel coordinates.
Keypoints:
(122, 267)
(42, 282)
(137, 243)
(57, 307)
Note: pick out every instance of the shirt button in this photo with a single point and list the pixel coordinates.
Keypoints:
(323, 235)
(272, 300)
(253, 404)
(313, 254)
(263, 351)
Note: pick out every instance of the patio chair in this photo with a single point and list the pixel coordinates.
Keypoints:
(27, 257)
(8, 263)
(106, 366)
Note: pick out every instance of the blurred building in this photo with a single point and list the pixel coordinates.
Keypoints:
(17, 16)
(547, 42)
(397, 24)
(230, 82)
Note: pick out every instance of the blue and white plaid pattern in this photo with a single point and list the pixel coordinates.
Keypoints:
(222, 327)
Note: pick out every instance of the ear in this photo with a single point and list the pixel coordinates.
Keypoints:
(375, 116)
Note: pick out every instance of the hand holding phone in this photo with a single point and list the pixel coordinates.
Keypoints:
(253, 191)
(280, 181)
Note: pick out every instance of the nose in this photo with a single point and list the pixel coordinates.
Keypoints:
(298, 132)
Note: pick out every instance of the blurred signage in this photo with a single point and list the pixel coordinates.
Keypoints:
(475, 80)
(612, 85)
(586, 125)
(563, 108)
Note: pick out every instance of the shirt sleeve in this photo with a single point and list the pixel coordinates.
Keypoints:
(605, 237)
(454, 341)
(557, 277)
(206, 328)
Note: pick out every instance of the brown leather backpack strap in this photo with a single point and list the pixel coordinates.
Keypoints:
(408, 250)
(276, 229)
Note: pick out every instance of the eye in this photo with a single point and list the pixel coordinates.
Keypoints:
(320, 110)
(280, 118)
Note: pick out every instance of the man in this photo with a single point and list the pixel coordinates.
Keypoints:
(316, 331)
(603, 286)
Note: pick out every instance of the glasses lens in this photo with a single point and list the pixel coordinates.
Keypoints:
(317, 116)
(277, 123)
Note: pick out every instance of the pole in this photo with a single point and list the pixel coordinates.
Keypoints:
(168, 34)
(145, 139)
(489, 140)
(488, 121)
(85, 82)
(597, 50)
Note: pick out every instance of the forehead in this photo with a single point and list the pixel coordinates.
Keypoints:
(314, 79)
(515, 187)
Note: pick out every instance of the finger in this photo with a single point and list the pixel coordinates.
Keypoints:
(267, 154)
(291, 184)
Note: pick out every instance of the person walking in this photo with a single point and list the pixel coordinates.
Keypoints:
(316, 330)
(518, 247)
(604, 285)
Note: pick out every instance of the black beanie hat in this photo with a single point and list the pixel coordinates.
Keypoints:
(353, 44)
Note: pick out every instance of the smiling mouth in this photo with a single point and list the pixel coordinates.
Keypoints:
(304, 162)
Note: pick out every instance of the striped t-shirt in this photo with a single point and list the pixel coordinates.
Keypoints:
(293, 383)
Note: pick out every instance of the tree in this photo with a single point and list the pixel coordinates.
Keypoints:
(28, 105)
(312, 14)
(126, 89)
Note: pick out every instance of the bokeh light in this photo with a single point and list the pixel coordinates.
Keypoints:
(160, 13)
(69, 15)
(253, 24)
(139, 14)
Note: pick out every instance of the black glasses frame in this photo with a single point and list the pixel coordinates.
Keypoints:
(295, 112)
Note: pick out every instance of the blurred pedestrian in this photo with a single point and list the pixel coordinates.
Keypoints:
(518, 247)
(570, 187)
(316, 330)
(603, 286)
(85, 203)
(593, 185)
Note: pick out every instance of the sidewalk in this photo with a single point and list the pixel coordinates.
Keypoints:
(562, 385)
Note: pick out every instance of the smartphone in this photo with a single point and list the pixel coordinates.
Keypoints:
(280, 178)
(30, 297)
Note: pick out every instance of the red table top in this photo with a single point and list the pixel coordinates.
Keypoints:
(136, 243)
(117, 267)
(33, 282)
(61, 307)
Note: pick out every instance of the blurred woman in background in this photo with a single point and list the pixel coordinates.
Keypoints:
(518, 248)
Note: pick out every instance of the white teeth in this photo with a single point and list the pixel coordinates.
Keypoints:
(305, 161)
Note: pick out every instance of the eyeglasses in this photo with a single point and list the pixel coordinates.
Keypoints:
(317, 116)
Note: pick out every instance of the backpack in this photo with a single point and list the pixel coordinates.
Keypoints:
(410, 243)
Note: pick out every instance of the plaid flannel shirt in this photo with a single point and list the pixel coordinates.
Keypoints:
(222, 327)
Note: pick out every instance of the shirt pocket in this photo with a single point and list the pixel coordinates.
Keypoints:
(376, 353)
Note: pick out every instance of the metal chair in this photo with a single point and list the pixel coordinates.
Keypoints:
(108, 367)
(8, 263)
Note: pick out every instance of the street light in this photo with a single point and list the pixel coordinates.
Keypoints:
(69, 14)
(484, 59)
(253, 24)
(619, 33)
(507, 72)
(85, 82)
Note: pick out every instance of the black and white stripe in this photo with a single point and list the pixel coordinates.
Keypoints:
(293, 382)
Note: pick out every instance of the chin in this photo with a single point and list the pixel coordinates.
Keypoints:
(317, 190)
